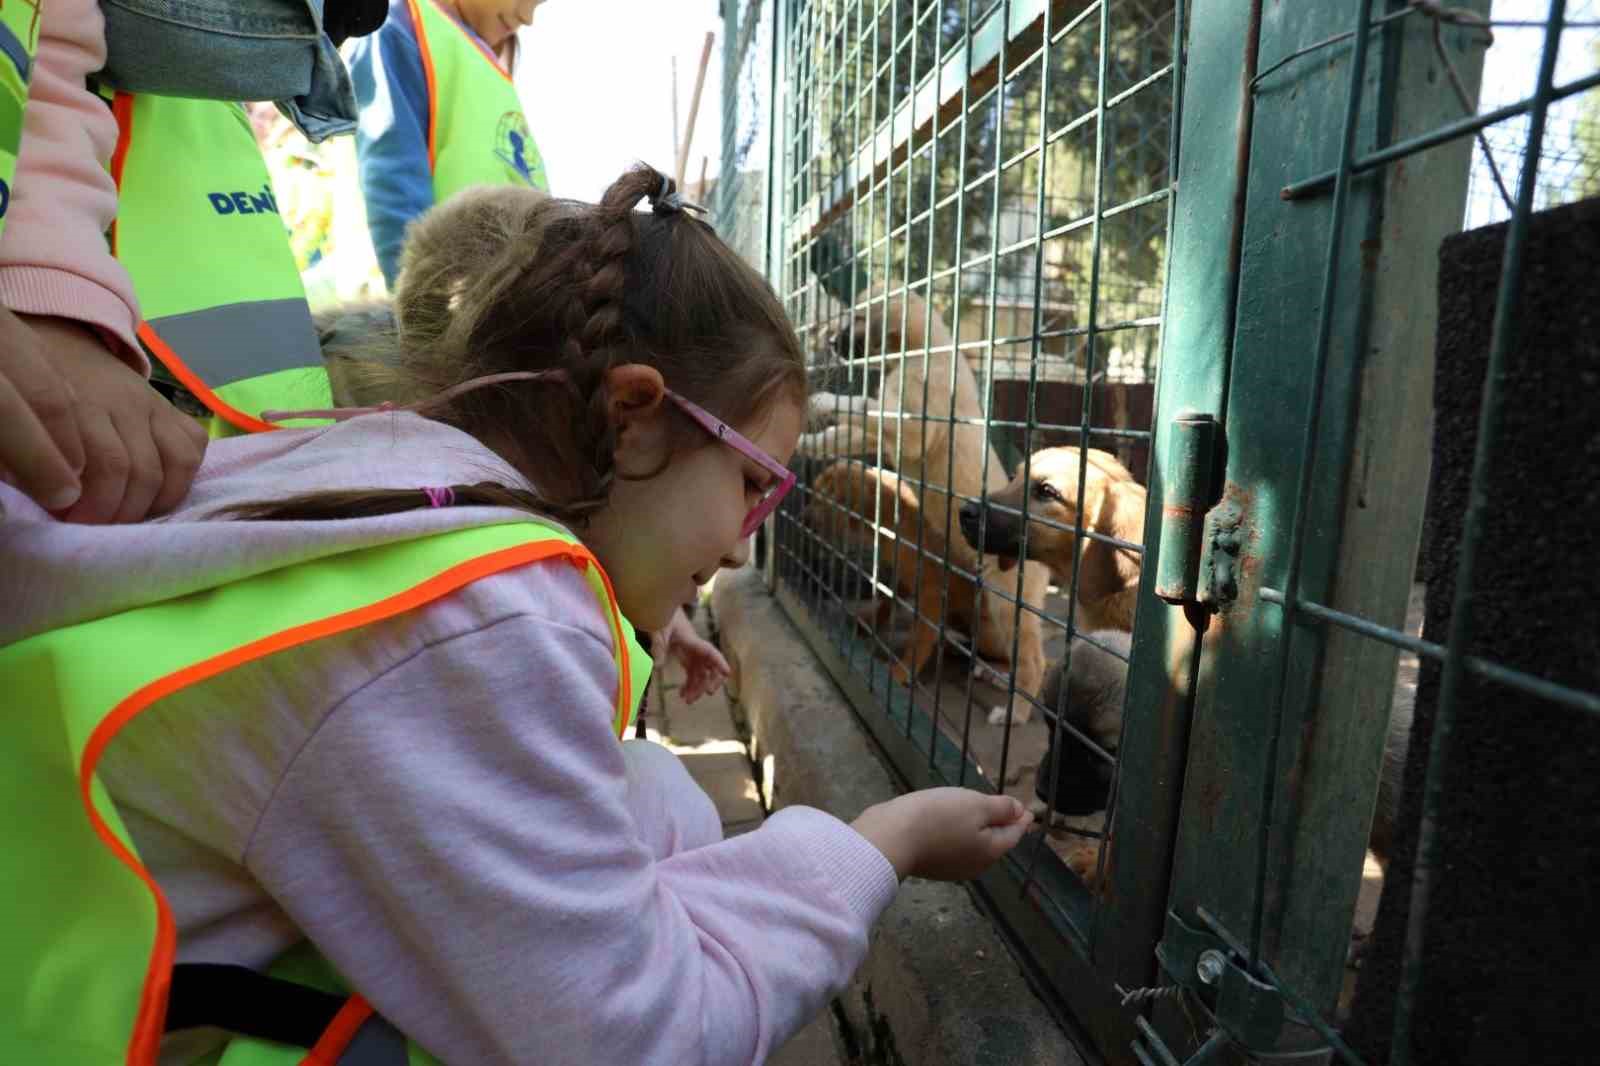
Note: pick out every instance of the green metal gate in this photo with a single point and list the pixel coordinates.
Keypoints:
(1310, 355)
(1010, 167)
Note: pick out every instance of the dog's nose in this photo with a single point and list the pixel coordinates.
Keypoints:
(970, 513)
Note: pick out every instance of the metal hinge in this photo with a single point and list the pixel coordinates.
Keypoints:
(1188, 485)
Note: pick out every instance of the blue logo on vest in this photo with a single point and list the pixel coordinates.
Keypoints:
(515, 148)
(244, 203)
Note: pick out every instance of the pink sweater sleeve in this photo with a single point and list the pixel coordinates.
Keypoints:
(464, 839)
(54, 258)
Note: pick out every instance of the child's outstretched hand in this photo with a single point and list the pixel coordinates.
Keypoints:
(944, 834)
(704, 667)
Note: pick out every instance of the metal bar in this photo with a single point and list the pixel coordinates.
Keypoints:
(1313, 421)
(1137, 87)
(772, 211)
(959, 125)
(872, 183)
(1440, 134)
(1377, 23)
(1460, 632)
(1053, 715)
(988, 368)
(922, 482)
(1072, 125)
(1154, 1042)
(1089, 351)
(1577, 699)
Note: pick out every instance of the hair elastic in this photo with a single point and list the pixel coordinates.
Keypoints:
(443, 496)
(669, 201)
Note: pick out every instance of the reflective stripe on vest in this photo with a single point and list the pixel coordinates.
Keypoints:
(199, 233)
(89, 938)
(477, 133)
(19, 39)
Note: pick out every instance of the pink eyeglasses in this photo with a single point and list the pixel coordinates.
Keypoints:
(783, 477)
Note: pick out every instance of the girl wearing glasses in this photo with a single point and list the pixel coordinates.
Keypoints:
(388, 765)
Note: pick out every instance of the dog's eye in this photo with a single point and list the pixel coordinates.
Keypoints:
(1046, 491)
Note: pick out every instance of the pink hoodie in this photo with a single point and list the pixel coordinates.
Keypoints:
(54, 259)
(438, 801)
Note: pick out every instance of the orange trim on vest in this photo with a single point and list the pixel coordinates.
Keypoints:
(427, 73)
(624, 670)
(334, 1039)
(122, 108)
(432, 78)
(191, 381)
(147, 1029)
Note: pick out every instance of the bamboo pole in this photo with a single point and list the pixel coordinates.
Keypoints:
(694, 109)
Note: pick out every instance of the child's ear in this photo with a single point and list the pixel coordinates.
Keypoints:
(636, 395)
(636, 392)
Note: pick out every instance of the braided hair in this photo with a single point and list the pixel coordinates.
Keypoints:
(506, 278)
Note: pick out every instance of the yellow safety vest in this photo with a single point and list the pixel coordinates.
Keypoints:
(477, 133)
(199, 233)
(89, 938)
(19, 39)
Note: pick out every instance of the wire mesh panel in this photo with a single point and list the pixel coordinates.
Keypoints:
(973, 204)
(1569, 157)
(975, 231)
(1356, 153)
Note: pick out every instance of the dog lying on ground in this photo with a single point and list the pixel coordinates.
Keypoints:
(930, 446)
(1113, 505)
(845, 497)
(1073, 783)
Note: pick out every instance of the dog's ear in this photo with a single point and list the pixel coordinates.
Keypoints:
(1125, 507)
(1118, 512)
(1097, 566)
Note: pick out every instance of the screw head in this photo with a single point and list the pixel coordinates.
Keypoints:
(1209, 968)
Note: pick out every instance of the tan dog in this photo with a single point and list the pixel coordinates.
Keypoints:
(845, 498)
(949, 456)
(919, 446)
(1113, 505)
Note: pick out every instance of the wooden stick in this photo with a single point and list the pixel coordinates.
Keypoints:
(674, 107)
(700, 194)
(694, 109)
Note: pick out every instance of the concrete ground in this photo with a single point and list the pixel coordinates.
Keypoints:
(705, 736)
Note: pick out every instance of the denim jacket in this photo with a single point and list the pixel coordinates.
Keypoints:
(274, 50)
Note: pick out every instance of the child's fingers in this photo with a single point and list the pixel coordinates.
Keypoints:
(1003, 838)
(1002, 810)
(32, 457)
